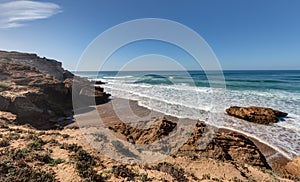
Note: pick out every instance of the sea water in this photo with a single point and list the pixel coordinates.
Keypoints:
(190, 95)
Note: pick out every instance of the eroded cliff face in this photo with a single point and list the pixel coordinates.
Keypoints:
(38, 90)
(43, 65)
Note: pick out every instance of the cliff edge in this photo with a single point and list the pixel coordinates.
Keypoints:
(39, 91)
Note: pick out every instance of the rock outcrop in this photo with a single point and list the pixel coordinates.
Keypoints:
(137, 135)
(293, 167)
(222, 145)
(39, 91)
(43, 65)
(260, 115)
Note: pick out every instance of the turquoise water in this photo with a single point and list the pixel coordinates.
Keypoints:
(286, 80)
(188, 94)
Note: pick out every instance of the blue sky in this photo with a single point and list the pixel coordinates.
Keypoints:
(244, 34)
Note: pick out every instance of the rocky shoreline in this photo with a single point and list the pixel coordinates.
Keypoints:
(39, 91)
(36, 100)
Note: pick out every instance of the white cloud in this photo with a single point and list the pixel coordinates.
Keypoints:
(16, 13)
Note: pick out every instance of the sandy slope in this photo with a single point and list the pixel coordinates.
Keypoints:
(66, 155)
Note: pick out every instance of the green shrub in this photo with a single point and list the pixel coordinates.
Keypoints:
(176, 173)
(85, 164)
(35, 146)
(47, 159)
(143, 177)
(19, 154)
(123, 171)
(3, 87)
(20, 171)
(70, 147)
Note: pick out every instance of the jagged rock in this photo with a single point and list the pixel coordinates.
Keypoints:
(149, 135)
(293, 167)
(40, 89)
(99, 82)
(4, 103)
(260, 115)
(43, 65)
(222, 145)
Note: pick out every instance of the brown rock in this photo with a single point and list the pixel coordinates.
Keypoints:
(225, 146)
(43, 65)
(293, 167)
(148, 135)
(40, 91)
(260, 115)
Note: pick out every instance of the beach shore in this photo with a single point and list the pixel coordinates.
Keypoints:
(119, 110)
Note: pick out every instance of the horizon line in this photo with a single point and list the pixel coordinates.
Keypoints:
(186, 70)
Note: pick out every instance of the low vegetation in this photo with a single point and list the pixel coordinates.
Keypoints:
(175, 172)
(4, 87)
(85, 166)
(30, 155)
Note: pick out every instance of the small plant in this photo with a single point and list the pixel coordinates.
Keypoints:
(13, 136)
(47, 159)
(53, 141)
(35, 146)
(85, 164)
(206, 176)
(176, 173)
(4, 87)
(3, 126)
(57, 161)
(41, 133)
(189, 133)
(65, 136)
(70, 147)
(12, 170)
(143, 177)
(19, 154)
(4, 143)
(123, 171)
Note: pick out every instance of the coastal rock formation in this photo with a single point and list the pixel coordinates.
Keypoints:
(145, 136)
(43, 65)
(293, 167)
(39, 91)
(260, 115)
(222, 145)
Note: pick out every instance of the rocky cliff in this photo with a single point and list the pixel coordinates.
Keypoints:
(44, 65)
(39, 91)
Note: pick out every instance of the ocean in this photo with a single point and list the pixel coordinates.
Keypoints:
(189, 95)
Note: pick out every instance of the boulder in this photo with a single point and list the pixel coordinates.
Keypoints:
(260, 115)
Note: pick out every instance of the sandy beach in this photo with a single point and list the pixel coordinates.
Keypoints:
(119, 110)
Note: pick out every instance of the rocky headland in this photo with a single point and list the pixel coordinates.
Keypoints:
(39, 91)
